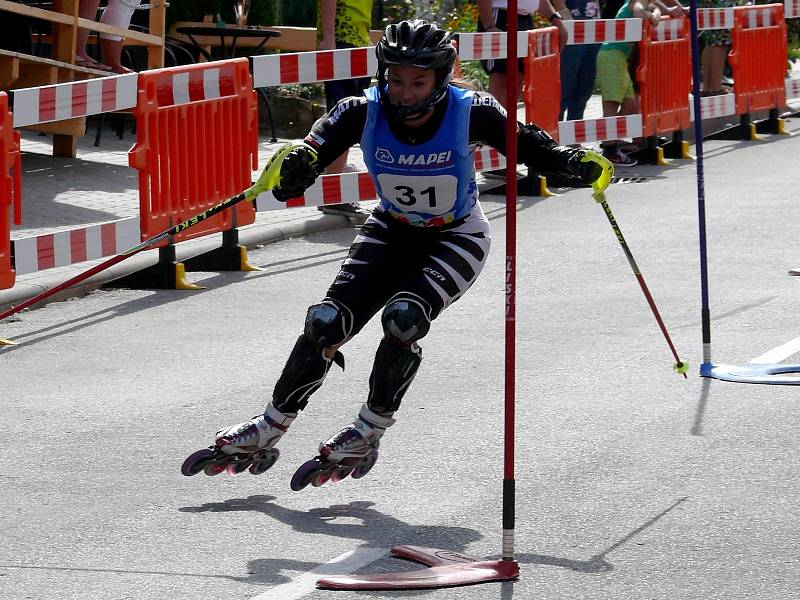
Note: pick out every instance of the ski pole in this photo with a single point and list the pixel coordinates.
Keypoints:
(599, 195)
(268, 179)
(679, 366)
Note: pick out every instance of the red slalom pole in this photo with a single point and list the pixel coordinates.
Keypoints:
(512, 75)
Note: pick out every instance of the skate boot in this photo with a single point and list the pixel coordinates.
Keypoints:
(353, 451)
(246, 446)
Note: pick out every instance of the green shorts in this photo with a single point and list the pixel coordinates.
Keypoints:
(612, 75)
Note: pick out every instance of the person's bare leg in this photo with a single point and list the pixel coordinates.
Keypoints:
(713, 61)
(111, 53)
(610, 109)
(87, 9)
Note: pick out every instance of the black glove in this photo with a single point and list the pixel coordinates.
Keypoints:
(587, 171)
(298, 173)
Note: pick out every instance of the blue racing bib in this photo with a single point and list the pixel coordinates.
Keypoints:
(429, 184)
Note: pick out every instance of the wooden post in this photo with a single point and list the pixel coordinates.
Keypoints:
(158, 16)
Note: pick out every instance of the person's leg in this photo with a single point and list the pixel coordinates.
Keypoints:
(584, 84)
(571, 57)
(87, 9)
(456, 257)
(118, 14)
(713, 62)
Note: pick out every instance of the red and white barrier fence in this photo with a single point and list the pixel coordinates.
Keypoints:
(593, 130)
(712, 107)
(308, 67)
(714, 18)
(64, 248)
(77, 99)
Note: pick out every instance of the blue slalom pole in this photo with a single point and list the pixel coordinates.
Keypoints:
(701, 193)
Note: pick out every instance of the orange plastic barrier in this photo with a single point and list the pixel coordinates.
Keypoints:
(10, 191)
(758, 57)
(196, 145)
(541, 90)
(665, 76)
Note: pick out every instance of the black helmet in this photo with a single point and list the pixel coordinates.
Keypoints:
(415, 44)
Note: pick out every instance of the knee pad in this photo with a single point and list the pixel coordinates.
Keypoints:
(303, 375)
(328, 324)
(393, 371)
(406, 319)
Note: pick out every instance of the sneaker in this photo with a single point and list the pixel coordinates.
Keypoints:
(352, 211)
(619, 159)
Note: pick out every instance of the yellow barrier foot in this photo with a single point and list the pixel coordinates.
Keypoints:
(544, 191)
(753, 134)
(660, 160)
(244, 263)
(180, 279)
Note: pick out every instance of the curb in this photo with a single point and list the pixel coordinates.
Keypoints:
(250, 237)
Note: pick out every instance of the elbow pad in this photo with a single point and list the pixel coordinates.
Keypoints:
(299, 171)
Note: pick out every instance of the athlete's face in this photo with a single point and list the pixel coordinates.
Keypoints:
(409, 86)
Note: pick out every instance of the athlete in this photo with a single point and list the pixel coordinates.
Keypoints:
(420, 250)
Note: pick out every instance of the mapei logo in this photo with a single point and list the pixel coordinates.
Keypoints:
(424, 160)
(384, 155)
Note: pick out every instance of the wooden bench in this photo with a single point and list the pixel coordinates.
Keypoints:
(19, 70)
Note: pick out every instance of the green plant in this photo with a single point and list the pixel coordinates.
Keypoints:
(306, 91)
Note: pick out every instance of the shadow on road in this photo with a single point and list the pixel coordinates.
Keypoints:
(598, 562)
(374, 528)
(157, 299)
(700, 413)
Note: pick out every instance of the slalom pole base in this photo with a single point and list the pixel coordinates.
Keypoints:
(445, 569)
(777, 374)
(231, 256)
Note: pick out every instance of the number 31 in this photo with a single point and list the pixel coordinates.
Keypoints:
(409, 199)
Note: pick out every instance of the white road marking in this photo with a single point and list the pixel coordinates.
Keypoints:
(778, 354)
(307, 582)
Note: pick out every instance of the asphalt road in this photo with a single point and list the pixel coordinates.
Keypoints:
(631, 481)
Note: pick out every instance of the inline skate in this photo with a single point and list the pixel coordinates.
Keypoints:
(351, 452)
(248, 446)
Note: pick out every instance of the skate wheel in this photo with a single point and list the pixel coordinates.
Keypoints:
(340, 474)
(365, 467)
(239, 466)
(320, 478)
(302, 477)
(215, 468)
(263, 464)
(196, 462)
